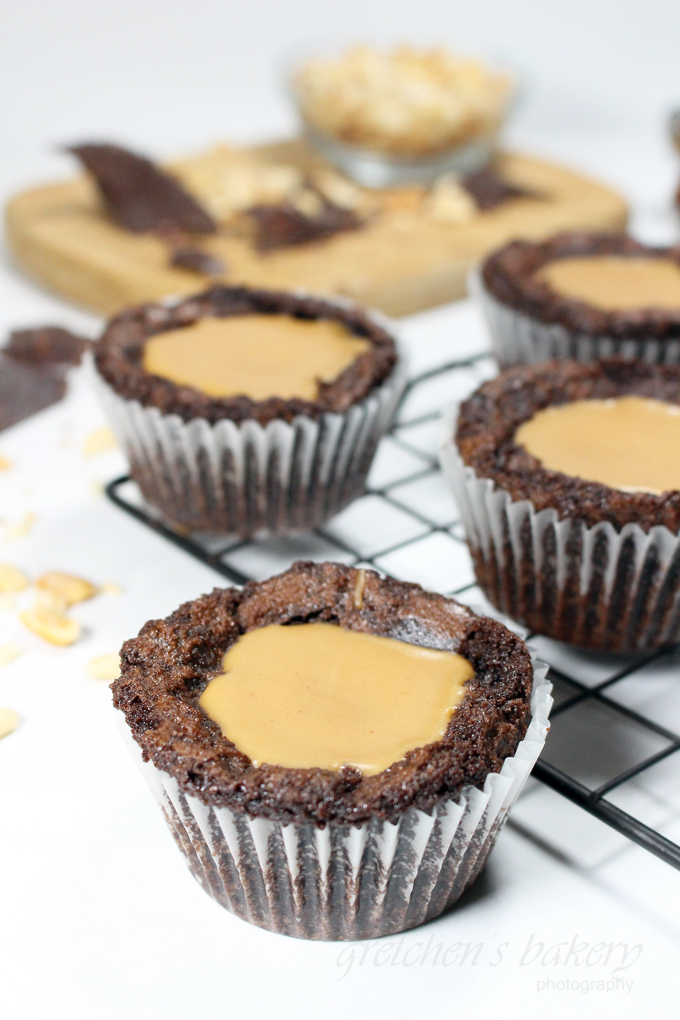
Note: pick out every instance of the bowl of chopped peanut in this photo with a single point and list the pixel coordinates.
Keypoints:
(402, 116)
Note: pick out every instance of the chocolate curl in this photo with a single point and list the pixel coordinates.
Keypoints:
(138, 195)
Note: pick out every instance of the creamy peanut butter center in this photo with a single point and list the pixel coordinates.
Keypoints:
(629, 443)
(318, 696)
(257, 356)
(614, 283)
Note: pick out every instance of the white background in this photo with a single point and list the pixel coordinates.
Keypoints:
(98, 916)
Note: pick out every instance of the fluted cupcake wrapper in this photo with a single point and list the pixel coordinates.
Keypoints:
(517, 339)
(341, 882)
(591, 586)
(250, 479)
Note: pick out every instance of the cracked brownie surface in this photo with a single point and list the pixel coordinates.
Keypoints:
(119, 356)
(510, 276)
(488, 421)
(168, 665)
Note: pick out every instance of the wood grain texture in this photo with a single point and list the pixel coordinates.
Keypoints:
(401, 262)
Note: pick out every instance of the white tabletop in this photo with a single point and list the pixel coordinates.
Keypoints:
(99, 917)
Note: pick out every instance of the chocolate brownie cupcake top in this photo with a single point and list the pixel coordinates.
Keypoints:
(166, 669)
(489, 421)
(545, 281)
(120, 355)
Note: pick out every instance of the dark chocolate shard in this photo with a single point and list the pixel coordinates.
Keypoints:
(26, 388)
(197, 261)
(33, 369)
(282, 226)
(489, 189)
(138, 195)
(45, 345)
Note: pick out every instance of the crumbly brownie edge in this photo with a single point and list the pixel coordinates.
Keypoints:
(488, 420)
(167, 666)
(118, 356)
(509, 275)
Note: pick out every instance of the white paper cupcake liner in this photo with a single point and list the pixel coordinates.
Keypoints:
(591, 586)
(248, 479)
(342, 882)
(517, 339)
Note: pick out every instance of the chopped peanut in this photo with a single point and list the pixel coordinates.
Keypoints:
(21, 528)
(11, 578)
(228, 182)
(449, 202)
(48, 598)
(307, 202)
(98, 442)
(359, 586)
(8, 653)
(9, 720)
(53, 626)
(104, 667)
(341, 192)
(65, 588)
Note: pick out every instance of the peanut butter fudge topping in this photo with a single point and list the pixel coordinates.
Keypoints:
(630, 443)
(254, 355)
(615, 283)
(320, 696)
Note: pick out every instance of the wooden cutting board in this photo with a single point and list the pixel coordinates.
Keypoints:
(401, 261)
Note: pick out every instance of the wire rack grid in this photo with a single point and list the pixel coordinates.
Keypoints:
(616, 720)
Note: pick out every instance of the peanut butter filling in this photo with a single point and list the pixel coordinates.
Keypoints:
(628, 443)
(257, 356)
(318, 696)
(614, 283)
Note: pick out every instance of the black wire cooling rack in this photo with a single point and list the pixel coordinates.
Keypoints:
(608, 735)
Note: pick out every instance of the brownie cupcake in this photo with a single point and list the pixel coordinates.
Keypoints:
(582, 296)
(247, 411)
(334, 752)
(567, 477)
